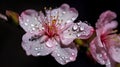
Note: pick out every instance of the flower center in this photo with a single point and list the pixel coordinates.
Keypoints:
(50, 28)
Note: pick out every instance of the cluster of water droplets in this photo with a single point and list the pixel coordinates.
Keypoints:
(79, 28)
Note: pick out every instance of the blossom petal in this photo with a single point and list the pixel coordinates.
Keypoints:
(64, 55)
(37, 45)
(83, 30)
(99, 53)
(105, 18)
(41, 17)
(109, 27)
(63, 15)
(68, 14)
(68, 36)
(114, 47)
(29, 21)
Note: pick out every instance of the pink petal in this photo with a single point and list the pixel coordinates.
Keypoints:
(67, 36)
(41, 17)
(69, 14)
(98, 53)
(98, 38)
(109, 27)
(29, 22)
(84, 31)
(114, 47)
(36, 45)
(63, 55)
(105, 18)
(63, 15)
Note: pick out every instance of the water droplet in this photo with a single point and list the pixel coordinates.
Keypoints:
(58, 54)
(64, 12)
(78, 34)
(108, 63)
(33, 28)
(73, 18)
(73, 54)
(26, 24)
(41, 47)
(37, 48)
(68, 21)
(75, 27)
(32, 25)
(72, 58)
(35, 18)
(43, 28)
(49, 45)
(82, 28)
(38, 53)
(63, 57)
(79, 23)
(60, 58)
(99, 55)
(66, 61)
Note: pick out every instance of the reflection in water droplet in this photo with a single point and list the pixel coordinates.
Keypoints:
(66, 61)
(38, 54)
(26, 24)
(58, 54)
(75, 27)
(82, 28)
(73, 54)
(72, 58)
(49, 45)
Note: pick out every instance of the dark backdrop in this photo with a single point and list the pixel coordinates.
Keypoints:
(11, 52)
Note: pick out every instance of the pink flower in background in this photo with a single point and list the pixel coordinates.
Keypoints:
(53, 33)
(105, 47)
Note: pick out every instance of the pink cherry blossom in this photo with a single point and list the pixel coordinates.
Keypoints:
(105, 47)
(53, 33)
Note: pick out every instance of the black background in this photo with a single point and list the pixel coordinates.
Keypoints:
(11, 52)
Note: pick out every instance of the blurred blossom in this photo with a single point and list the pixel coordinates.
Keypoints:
(105, 47)
(13, 15)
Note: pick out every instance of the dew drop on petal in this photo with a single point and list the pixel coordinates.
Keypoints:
(32, 25)
(82, 28)
(73, 54)
(41, 47)
(63, 57)
(68, 21)
(63, 12)
(78, 34)
(42, 28)
(26, 24)
(49, 45)
(60, 58)
(33, 28)
(73, 18)
(79, 23)
(37, 48)
(66, 61)
(75, 27)
(58, 54)
(38, 54)
(72, 58)
(66, 57)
